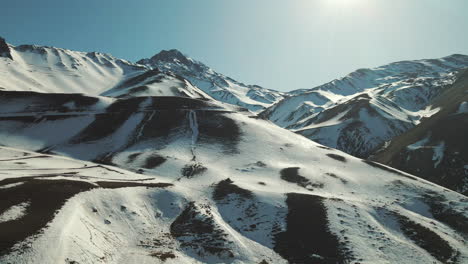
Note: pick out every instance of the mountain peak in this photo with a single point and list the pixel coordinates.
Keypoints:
(171, 55)
(4, 49)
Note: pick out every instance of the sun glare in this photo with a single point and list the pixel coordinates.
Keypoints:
(342, 3)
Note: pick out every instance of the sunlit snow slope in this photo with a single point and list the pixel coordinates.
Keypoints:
(146, 167)
(219, 86)
(189, 181)
(362, 110)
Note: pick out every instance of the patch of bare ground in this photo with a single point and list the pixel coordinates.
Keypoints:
(154, 161)
(307, 238)
(215, 127)
(292, 175)
(226, 187)
(337, 157)
(333, 175)
(163, 255)
(427, 239)
(442, 211)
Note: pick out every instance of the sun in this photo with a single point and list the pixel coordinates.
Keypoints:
(342, 3)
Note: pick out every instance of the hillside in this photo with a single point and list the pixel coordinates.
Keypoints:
(368, 107)
(436, 149)
(189, 181)
(135, 163)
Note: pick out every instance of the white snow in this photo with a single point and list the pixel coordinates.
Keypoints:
(419, 144)
(463, 108)
(130, 224)
(48, 69)
(401, 93)
(193, 126)
(14, 212)
(439, 150)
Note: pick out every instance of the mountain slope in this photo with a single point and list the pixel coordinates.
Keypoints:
(195, 181)
(436, 149)
(49, 69)
(105, 161)
(220, 87)
(168, 73)
(361, 111)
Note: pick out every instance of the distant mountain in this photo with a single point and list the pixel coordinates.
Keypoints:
(218, 86)
(437, 148)
(368, 107)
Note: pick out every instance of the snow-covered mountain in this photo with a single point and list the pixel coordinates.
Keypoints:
(437, 148)
(139, 164)
(219, 86)
(49, 69)
(168, 73)
(362, 110)
(88, 179)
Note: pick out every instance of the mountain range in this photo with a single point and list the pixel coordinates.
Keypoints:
(167, 161)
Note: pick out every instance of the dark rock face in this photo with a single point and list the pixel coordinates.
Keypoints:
(4, 49)
(167, 56)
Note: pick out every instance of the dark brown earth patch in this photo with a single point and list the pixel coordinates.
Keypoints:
(50, 102)
(163, 255)
(154, 161)
(226, 187)
(336, 157)
(444, 213)
(196, 229)
(106, 124)
(132, 157)
(388, 169)
(116, 185)
(308, 238)
(333, 175)
(215, 127)
(426, 239)
(324, 147)
(292, 175)
(164, 124)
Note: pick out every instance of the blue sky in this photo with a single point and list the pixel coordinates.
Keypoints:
(279, 44)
